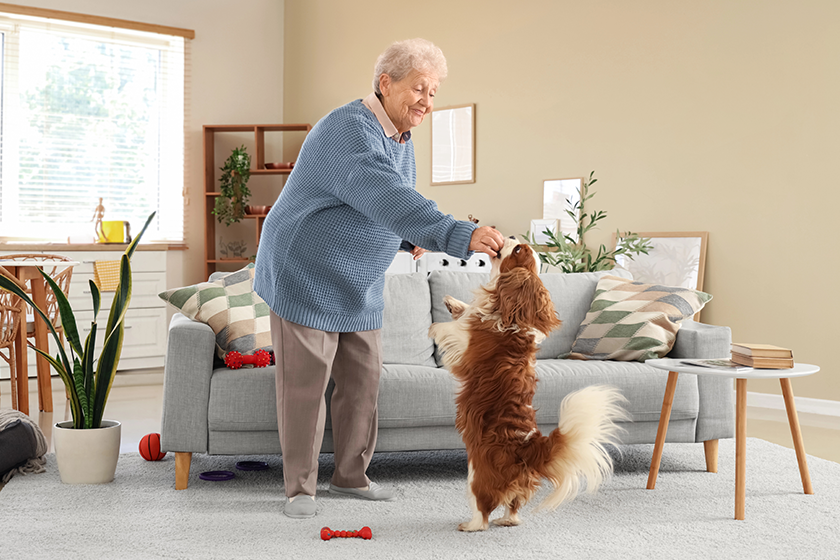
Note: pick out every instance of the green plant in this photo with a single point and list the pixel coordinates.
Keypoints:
(234, 193)
(88, 382)
(572, 255)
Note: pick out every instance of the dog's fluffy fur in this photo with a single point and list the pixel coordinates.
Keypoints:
(490, 347)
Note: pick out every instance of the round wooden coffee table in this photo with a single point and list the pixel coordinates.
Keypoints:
(677, 366)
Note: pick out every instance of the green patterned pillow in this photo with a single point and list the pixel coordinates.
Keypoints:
(634, 321)
(231, 307)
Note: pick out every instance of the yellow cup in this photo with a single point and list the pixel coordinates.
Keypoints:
(114, 232)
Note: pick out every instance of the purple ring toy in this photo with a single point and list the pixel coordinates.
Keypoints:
(252, 465)
(216, 476)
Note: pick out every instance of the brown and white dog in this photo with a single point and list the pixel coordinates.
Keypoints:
(491, 348)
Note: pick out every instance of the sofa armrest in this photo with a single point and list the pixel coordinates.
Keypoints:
(698, 340)
(716, 416)
(190, 351)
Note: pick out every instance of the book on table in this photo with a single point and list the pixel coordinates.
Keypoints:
(761, 350)
(761, 362)
(717, 363)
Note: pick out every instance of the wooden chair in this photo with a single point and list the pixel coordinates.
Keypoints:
(10, 314)
(60, 276)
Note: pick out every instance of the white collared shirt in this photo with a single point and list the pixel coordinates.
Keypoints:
(373, 103)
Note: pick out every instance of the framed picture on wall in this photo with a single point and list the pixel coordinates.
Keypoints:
(561, 196)
(453, 145)
(677, 259)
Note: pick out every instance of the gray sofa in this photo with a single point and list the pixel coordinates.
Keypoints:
(208, 408)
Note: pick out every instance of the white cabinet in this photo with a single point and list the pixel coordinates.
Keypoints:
(144, 342)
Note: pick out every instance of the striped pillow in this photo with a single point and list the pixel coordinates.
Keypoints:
(231, 307)
(632, 321)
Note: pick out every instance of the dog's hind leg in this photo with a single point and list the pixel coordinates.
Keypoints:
(511, 517)
(479, 521)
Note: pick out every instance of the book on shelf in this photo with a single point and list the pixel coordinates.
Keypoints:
(761, 350)
(717, 363)
(761, 362)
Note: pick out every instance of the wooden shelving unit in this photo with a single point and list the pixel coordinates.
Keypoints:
(211, 190)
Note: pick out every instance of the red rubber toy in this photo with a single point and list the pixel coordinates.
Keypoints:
(363, 533)
(150, 448)
(235, 360)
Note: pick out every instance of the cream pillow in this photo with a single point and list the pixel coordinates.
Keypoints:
(633, 321)
(231, 307)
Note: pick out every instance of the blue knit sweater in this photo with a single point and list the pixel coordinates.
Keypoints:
(340, 219)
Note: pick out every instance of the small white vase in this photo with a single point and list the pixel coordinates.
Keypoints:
(87, 456)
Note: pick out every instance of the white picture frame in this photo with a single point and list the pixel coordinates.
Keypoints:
(559, 198)
(677, 259)
(453, 145)
(538, 228)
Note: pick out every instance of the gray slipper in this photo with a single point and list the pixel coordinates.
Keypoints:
(302, 507)
(374, 492)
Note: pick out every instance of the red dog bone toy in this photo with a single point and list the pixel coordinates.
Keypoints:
(363, 533)
(235, 360)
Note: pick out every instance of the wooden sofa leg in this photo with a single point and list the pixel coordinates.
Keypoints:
(182, 470)
(711, 449)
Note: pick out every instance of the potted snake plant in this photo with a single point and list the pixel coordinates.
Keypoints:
(87, 447)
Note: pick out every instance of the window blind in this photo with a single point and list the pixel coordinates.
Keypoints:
(90, 112)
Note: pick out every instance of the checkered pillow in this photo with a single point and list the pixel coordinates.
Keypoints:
(630, 321)
(231, 307)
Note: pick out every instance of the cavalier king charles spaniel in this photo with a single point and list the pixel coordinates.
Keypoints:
(491, 349)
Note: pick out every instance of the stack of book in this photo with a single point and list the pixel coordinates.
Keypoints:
(762, 356)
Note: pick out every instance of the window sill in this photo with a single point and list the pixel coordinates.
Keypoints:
(58, 246)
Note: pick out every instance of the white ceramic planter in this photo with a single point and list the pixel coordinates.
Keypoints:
(87, 456)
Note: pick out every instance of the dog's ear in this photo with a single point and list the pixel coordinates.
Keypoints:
(522, 300)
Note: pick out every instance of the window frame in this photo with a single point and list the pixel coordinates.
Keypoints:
(171, 204)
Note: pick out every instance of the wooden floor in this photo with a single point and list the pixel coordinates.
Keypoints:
(136, 400)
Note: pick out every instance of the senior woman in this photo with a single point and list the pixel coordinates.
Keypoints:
(348, 206)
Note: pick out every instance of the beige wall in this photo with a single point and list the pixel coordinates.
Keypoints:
(719, 116)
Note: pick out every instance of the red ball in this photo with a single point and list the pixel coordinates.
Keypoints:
(150, 448)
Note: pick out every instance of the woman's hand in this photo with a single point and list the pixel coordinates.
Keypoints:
(487, 240)
(417, 252)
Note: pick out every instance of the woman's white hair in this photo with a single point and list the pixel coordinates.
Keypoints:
(402, 57)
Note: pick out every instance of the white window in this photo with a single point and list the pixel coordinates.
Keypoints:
(89, 112)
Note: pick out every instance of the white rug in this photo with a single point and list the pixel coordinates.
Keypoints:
(690, 514)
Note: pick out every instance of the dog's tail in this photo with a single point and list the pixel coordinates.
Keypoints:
(587, 422)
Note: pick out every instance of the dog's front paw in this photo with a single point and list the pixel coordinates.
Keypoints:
(456, 307)
(433, 330)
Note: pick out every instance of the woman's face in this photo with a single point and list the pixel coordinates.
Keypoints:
(410, 99)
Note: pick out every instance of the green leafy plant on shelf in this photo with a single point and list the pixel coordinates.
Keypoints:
(88, 379)
(233, 189)
(570, 255)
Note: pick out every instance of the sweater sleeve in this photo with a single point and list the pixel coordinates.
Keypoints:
(376, 190)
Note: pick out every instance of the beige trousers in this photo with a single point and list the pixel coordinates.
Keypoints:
(305, 360)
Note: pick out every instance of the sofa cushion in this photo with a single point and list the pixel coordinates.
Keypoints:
(411, 396)
(406, 321)
(634, 321)
(643, 386)
(242, 400)
(571, 294)
(231, 307)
